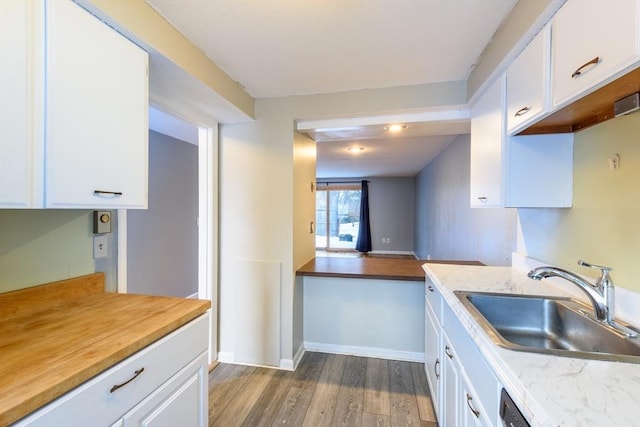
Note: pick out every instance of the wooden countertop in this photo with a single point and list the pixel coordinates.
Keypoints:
(371, 267)
(56, 336)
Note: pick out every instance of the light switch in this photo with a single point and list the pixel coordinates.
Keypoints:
(100, 247)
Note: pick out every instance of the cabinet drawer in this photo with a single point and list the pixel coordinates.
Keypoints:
(434, 298)
(99, 402)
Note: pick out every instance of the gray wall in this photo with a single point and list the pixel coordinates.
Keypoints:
(392, 207)
(162, 251)
(446, 227)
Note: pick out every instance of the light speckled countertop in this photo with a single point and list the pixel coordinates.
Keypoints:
(549, 390)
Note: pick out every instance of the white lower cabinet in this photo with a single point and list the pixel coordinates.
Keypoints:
(164, 384)
(464, 389)
(433, 363)
(450, 385)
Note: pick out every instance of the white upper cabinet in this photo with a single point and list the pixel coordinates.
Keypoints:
(592, 42)
(73, 112)
(96, 108)
(487, 147)
(20, 116)
(528, 83)
(517, 171)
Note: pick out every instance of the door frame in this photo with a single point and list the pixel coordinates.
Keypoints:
(207, 232)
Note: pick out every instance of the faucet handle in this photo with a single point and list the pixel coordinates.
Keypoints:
(603, 269)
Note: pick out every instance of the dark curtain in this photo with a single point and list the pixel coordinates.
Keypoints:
(364, 234)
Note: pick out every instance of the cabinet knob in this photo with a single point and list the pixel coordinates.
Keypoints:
(430, 288)
(578, 72)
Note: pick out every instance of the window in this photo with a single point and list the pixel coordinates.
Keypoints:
(337, 216)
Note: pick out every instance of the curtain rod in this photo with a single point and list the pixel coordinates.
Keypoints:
(342, 182)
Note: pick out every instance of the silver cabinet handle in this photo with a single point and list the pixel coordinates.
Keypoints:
(475, 411)
(136, 374)
(101, 193)
(578, 72)
(522, 111)
(448, 352)
(435, 368)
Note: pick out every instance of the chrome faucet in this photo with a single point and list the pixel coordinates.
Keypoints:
(601, 295)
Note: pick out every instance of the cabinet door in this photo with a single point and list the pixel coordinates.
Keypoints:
(487, 147)
(182, 401)
(96, 107)
(21, 44)
(528, 83)
(472, 414)
(451, 387)
(433, 360)
(592, 41)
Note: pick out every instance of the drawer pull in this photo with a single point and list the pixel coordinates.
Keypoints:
(522, 111)
(102, 193)
(136, 374)
(447, 351)
(475, 411)
(482, 199)
(578, 72)
(430, 288)
(435, 368)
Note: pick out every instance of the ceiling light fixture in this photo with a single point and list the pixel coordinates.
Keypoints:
(355, 149)
(395, 128)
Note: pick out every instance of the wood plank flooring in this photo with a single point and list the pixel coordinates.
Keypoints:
(325, 390)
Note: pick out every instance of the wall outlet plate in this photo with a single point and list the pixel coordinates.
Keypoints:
(100, 247)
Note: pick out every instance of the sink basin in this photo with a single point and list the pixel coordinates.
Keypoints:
(552, 325)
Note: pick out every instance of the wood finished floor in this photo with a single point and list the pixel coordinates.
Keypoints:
(325, 390)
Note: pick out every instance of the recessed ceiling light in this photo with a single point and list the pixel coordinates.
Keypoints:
(355, 149)
(395, 127)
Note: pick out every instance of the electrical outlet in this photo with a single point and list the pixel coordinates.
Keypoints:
(100, 247)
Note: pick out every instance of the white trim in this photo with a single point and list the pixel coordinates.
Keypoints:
(192, 296)
(393, 253)
(207, 226)
(448, 113)
(226, 357)
(297, 358)
(121, 267)
(380, 353)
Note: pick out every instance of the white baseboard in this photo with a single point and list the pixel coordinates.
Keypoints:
(379, 353)
(225, 357)
(393, 253)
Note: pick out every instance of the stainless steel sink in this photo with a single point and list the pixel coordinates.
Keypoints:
(552, 325)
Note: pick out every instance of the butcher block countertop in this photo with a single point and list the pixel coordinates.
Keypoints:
(370, 267)
(56, 336)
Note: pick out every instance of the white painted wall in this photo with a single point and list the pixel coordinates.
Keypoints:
(602, 226)
(446, 227)
(367, 317)
(258, 192)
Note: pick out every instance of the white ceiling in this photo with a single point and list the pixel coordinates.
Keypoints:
(277, 48)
